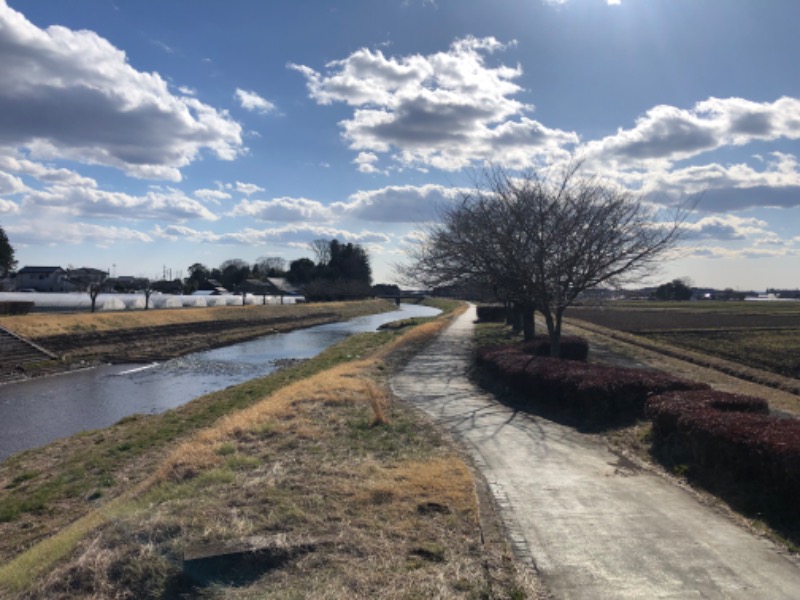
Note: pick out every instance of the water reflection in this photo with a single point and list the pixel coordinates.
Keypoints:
(39, 411)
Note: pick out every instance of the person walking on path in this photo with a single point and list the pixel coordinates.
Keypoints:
(592, 524)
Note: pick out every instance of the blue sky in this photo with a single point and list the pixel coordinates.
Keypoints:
(137, 136)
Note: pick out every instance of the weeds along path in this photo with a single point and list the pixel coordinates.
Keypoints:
(592, 524)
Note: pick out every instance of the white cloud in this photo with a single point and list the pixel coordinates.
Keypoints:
(44, 173)
(290, 235)
(212, 196)
(742, 253)
(667, 133)
(283, 209)
(172, 204)
(248, 188)
(253, 102)
(10, 184)
(99, 109)
(447, 110)
(398, 204)
(44, 233)
(732, 187)
(7, 207)
(365, 162)
(726, 228)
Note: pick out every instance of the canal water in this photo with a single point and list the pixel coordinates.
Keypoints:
(36, 412)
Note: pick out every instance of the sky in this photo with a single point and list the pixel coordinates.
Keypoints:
(143, 137)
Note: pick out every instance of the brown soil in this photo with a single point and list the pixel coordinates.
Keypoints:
(641, 320)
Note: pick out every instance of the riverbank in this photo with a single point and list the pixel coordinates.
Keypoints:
(315, 463)
(85, 339)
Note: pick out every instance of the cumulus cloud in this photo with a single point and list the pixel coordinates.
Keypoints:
(733, 187)
(741, 253)
(398, 204)
(726, 228)
(10, 185)
(170, 204)
(248, 188)
(447, 110)
(282, 209)
(253, 102)
(291, 235)
(55, 233)
(667, 133)
(72, 95)
(212, 196)
(366, 162)
(7, 207)
(43, 172)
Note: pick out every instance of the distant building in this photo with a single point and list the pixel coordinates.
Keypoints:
(43, 279)
(210, 287)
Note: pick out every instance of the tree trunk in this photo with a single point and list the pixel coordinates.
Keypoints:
(528, 323)
(555, 342)
(555, 336)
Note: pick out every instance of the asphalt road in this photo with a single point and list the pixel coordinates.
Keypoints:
(592, 524)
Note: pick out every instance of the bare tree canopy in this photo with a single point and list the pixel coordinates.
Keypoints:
(541, 240)
(322, 250)
(271, 266)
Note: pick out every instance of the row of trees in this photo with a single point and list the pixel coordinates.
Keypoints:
(340, 271)
(232, 273)
(539, 241)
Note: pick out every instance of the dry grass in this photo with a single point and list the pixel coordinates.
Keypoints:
(38, 325)
(329, 463)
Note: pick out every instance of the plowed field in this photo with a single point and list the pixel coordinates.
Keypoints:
(757, 334)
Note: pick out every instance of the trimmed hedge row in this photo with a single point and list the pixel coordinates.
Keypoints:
(718, 432)
(593, 393)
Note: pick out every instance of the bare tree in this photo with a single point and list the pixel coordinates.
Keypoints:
(92, 281)
(322, 250)
(544, 240)
(271, 266)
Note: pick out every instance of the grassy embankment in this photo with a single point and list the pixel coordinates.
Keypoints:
(40, 325)
(359, 495)
(680, 338)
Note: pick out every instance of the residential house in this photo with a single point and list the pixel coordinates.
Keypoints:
(43, 279)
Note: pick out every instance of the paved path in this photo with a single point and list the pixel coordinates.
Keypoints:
(593, 525)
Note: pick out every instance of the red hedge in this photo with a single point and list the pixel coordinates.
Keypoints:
(730, 433)
(591, 392)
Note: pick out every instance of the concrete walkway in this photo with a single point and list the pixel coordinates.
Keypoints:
(591, 524)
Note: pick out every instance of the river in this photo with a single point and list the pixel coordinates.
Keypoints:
(39, 411)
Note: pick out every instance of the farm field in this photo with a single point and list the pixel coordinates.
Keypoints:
(761, 335)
